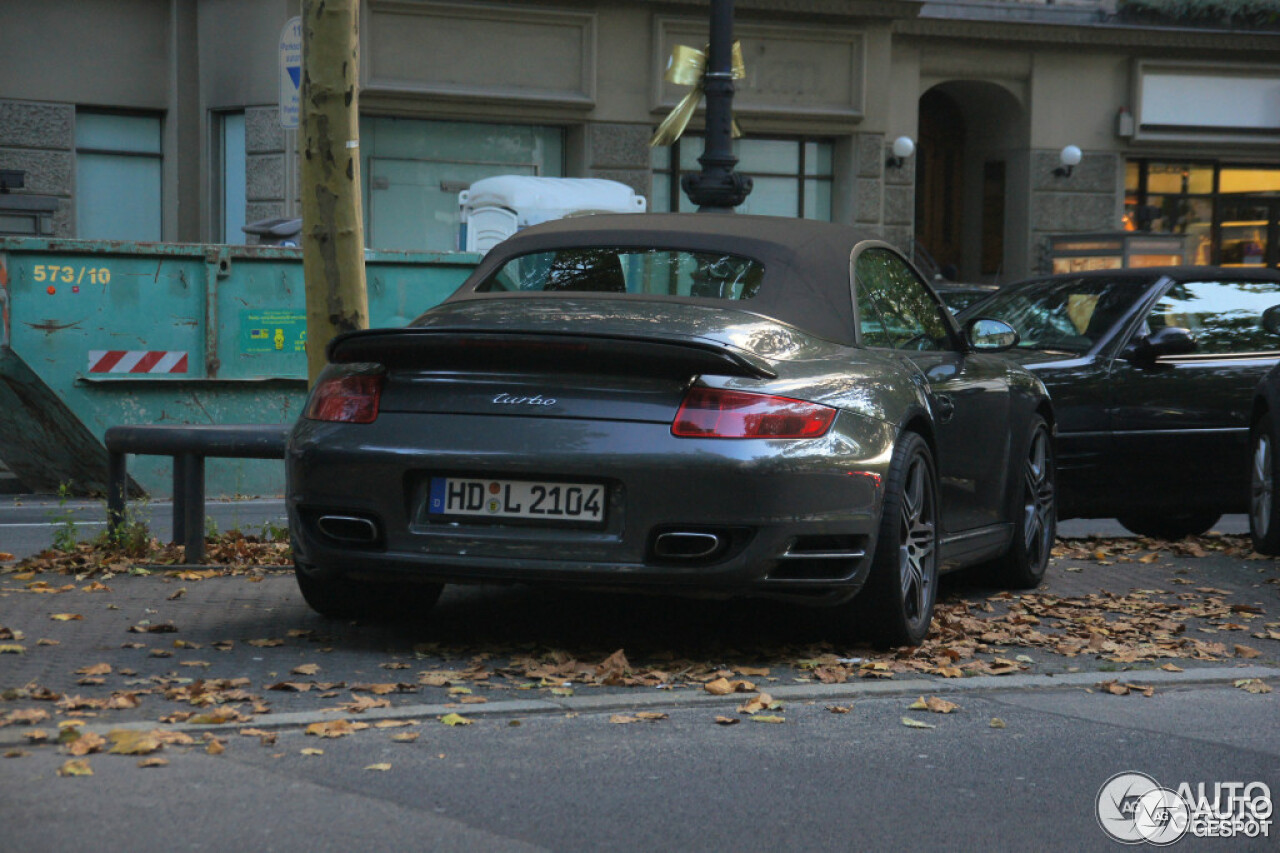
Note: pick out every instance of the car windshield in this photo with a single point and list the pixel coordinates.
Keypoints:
(664, 272)
(1070, 315)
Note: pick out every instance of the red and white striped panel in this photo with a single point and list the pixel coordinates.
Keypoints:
(137, 361)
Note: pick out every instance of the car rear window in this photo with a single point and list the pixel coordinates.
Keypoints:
(662, 272)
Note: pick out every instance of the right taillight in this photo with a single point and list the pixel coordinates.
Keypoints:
(721, 413)
(347, 396)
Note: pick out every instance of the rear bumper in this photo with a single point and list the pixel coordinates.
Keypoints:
(793, 518)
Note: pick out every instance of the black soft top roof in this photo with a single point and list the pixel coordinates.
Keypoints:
(806, 263)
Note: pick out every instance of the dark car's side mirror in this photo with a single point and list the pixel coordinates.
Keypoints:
(1271, 319)
(1171, 340)
(986, 335)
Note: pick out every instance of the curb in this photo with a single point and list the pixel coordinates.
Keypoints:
(621, 701)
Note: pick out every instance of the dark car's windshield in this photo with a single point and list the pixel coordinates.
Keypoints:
(665, 272)
(1070, 314)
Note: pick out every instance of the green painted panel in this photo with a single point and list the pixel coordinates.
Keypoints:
(126, 333)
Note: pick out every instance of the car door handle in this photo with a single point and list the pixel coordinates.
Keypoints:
(944, 407)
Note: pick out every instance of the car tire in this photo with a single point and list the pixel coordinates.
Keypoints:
(1170, 526)
(337, 598)
(895, 607)
(1023, 565)
(1264, 511)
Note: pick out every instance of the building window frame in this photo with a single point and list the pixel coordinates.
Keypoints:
(92, 147)
(809, 169)
(228, 187)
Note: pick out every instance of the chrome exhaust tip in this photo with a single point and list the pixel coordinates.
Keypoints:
(679, 545)
(348, 528)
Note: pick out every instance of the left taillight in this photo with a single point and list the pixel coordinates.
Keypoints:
(347, 393)
(721, 413)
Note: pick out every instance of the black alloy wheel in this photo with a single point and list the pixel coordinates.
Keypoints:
(1264, 512)
(1024, 564)
(895, 608)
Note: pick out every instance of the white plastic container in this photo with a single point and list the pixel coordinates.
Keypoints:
(493, 209)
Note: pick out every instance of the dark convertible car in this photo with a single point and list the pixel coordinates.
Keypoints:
(1152, 373)
(695, 403)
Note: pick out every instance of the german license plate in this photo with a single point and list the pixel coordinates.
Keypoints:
(543, 501)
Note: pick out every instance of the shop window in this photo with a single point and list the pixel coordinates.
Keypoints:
(118, 176)
(413, 171)
(792, 177)
(1229, 214)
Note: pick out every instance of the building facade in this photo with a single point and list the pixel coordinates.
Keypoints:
(161, 119)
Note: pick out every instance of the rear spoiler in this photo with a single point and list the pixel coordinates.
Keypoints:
(553, 352)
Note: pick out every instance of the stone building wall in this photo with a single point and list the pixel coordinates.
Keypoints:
(39, 139)
(1090, 199)
(265, 164)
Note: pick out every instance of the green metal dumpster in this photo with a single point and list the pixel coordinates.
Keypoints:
(97, 334)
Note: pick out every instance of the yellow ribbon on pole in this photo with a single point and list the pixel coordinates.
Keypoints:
(685, 67)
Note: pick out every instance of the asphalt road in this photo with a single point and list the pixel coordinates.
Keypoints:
(545, 766)
(575, 781)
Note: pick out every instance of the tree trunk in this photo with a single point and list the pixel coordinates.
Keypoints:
(332, 219)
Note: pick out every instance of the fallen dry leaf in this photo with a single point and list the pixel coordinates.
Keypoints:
(380, 767)
(761, 702)
(728, 721)
(75, 767)
(916, 724)
(455, 720)
(311, 750)
(96, 669)
(86, 744)
(25, 716)
(1253, 685)
(997, 723)
(723, 687)
(767, 718)
(153, 628)
(306, 669)
(265, 737)
(65, 617)
(335, 728)
(934, 704)
(405, 737)
(132, 742)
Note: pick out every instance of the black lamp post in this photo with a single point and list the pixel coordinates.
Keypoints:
(718, 188)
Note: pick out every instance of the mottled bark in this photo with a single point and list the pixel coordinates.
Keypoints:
(332, 220)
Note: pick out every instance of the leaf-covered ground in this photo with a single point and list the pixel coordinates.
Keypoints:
(164, 670)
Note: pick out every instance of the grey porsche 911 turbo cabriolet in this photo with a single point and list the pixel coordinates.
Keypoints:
(690, 403)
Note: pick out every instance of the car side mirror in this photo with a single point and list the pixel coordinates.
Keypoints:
(1271, 319)
(1171, 340)
(986, 335)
